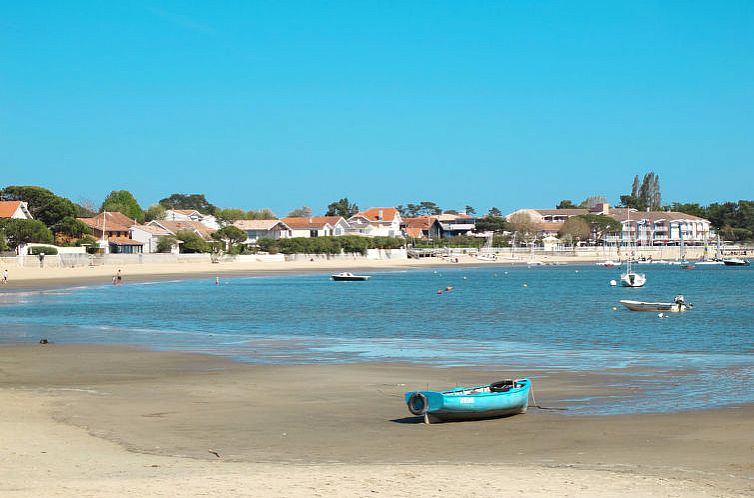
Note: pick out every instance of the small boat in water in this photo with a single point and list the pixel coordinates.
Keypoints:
(678, 305)
(735, 262)
(499, 399)
(608, 264)
(349, 277)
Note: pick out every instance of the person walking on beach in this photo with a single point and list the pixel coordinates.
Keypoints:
(119, 277)
(5, 276)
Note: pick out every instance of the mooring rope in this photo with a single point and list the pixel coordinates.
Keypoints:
(535, 405)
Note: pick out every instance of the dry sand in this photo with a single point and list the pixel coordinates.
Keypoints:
(113, 421)
(25, 277)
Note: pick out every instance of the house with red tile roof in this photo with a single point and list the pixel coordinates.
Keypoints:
(263, 229)
(173, 227)
(316, 226)
(421, 227)
(375, 222)
(641, 227)
(150, 236)
(18, 210)
(115, 228)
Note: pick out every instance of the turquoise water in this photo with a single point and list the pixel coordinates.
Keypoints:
(563, 319)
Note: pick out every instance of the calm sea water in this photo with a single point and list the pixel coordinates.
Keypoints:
(519, 318)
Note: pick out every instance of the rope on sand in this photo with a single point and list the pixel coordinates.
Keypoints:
(535, 405)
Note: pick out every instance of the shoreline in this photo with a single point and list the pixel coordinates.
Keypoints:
(158, 414)
(44, 278)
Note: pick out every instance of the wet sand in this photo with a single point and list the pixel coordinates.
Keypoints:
(83, 420)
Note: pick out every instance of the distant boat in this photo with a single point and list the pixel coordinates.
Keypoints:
(735, 262)
(631, 278)
(717, 260)
(348, 277)
(678, 305)
(485, 253)
(498, 399)
(608, 264)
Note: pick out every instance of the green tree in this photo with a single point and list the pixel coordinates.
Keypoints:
(470, 210)
(71, 227)
(43, 204)
(427, 208)
(189, 201)
(25, 231)
(261, 214)
(566, 204)
(601, 225)
(192, 243)
(495, 212)
(342, 208)
(302, 212)
(229, 215)
(154, 212)
(489, 223)
(166, 243)
(575, 228)
(124, 202)
(230, 236)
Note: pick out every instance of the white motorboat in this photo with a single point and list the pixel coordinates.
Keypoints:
(349, 277)
(735, 262)
(678, 305)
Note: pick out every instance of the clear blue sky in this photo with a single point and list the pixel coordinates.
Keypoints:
(279, 104)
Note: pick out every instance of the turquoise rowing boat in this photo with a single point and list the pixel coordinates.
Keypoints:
(498, 399)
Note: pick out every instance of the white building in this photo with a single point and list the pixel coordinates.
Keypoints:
(207, 220)
(653, 228)
(376, 222)
(150, 235)
(18, 210)
(263, 229)
(316, 226)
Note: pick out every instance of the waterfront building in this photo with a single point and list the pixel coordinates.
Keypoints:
(263, 229)
(316, 226)
(18, 210)
(375, 222)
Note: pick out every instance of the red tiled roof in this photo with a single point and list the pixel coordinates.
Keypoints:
(562, 212)
(258, 224)
(112, 221)
(622, 214)
(310, 222)
(124, 241)
(176, 226)
(423, 222)
(7, 208)
(373, 214)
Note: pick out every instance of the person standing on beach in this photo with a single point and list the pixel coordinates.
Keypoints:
(119, 277)
(5, 276)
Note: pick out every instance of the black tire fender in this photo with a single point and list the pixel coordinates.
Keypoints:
(418, 404)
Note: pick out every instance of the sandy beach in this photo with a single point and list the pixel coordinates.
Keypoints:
(83, 420)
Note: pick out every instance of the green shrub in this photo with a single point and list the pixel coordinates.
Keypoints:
(46, 250)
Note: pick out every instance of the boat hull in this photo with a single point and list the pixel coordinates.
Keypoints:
(654, 307)
(735, 262)
(633, 280)
(455, 405)
(353, 278)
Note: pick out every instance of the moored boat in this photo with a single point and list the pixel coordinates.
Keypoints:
(678, 305)
(735, 262)
(349, 277)
(608, 264)
(498, 399)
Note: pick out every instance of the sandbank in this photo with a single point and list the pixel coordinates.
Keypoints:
(86, 420)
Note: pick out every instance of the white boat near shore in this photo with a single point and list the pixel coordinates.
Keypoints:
(678, 305)
(349, 277)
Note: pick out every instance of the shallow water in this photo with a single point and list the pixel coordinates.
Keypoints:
(514, 318)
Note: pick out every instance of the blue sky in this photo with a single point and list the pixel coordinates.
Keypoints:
(280, 104)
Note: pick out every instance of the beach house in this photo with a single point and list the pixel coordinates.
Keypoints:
(316, 226)
(455, 224)
(113, 231)
(375, 222)
(658, 228)
(150, 236)
(173, 227)
(421, 227)
(207, 220)
(18, 210)
(263, 229)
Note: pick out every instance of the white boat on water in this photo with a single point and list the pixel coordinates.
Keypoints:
(678, 305)
(347, 276)
(631, 278)
(735, 262)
